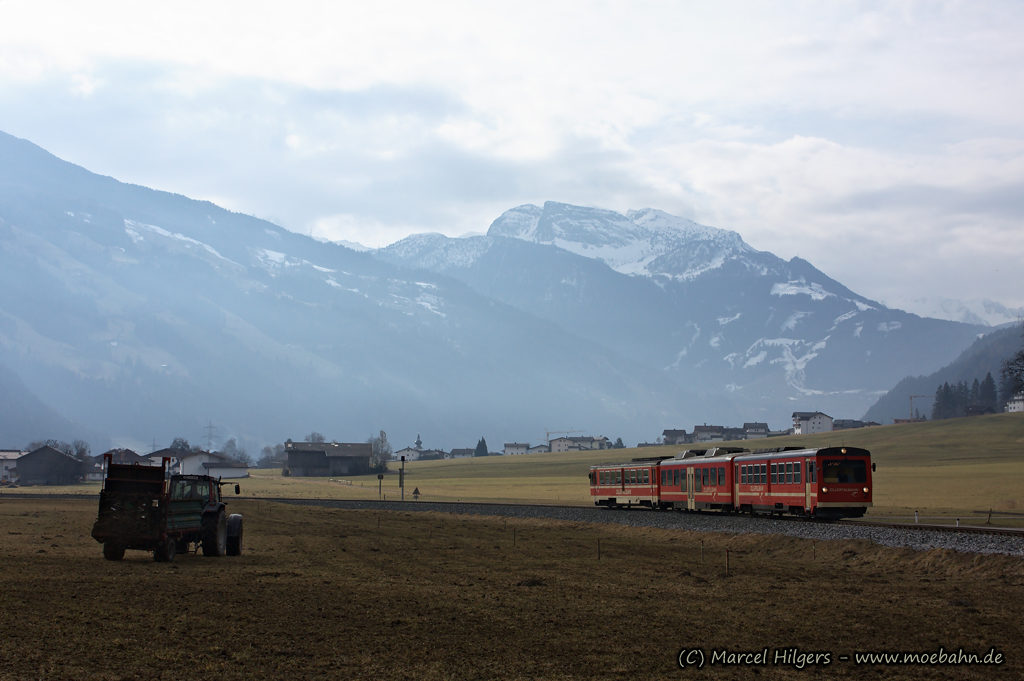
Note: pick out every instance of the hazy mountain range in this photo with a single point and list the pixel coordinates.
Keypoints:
(144, 315)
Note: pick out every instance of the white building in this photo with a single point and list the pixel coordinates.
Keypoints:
(578, 444)
(537, 449)
(1016, 404)
(410, 454)
(8, 457)
(516, 448)
(212, 464)
(807, 422)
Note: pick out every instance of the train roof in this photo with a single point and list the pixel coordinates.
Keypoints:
(723, 454)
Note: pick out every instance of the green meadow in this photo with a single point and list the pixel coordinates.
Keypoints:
(942, 469)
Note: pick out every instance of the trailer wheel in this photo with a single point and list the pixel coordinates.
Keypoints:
(235, 534)
(112, 551)
(165, 553)
(215, 534)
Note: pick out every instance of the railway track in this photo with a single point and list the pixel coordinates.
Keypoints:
(425, 505)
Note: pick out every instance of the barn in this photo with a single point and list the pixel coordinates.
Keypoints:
(325, 459)
(48, 466)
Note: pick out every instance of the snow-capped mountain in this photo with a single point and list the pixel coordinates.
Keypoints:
(143, 315)
(976, 311)
(697, 304)
(646, 241)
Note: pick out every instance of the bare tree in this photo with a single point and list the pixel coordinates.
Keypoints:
(233, 451)
(315, 437)
(381, 452)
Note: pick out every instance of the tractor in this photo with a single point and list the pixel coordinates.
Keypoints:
(141, 508)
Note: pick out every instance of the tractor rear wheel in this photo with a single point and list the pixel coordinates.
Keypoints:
(215, 534)
(112, 551)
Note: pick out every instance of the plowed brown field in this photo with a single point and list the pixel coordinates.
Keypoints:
(327, 594)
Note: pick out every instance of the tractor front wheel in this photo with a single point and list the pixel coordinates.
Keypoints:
(235, 534)
(215, 534)
(165, 552)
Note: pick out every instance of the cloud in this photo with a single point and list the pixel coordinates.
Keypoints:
(881, 142)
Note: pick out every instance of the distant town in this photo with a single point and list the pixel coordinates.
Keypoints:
(52, 462)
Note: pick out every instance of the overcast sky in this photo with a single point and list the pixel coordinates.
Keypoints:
(884, 142)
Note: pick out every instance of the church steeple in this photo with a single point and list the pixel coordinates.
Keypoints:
(419, 442)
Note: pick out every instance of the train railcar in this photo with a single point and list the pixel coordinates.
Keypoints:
(698, 480)
(618, 485)
(806, 482)
(827, 482)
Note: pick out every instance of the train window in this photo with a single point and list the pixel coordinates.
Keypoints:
(789, 473)
(844, 471)
(775, 473)
(714, 476)
(696, 480)
(647, 476)
(764, 474)
(663, 474)
(721, 476)
(796, 472)
(743, 475)
(675, 478)
(706, 477)
(618, 477)
(811, 472)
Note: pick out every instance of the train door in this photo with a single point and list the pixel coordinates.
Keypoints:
(808, 467)
(690, 502)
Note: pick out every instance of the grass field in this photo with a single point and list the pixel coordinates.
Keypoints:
(943, 469)
(329, 594)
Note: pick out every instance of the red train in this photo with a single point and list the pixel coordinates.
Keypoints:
(829, 482)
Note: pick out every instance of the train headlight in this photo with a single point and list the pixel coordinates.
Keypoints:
(866, 490)
(824, 490)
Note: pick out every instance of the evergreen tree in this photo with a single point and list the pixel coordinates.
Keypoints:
(618, 443)
(1011, 375)
(963, 397)
(481, 448)
(987, 392)
(937, 405)
(975, 397)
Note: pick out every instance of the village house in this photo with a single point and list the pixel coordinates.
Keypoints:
(578, 444)
(755, 430)
(537, 449)
(733, 433)
(807, 422)
(211, 463)
(8, 459)
(462, 453)
(1016, 404)
(708, 433)
(326, 459)
(849, 424)
(516, 448)
(674, 437)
